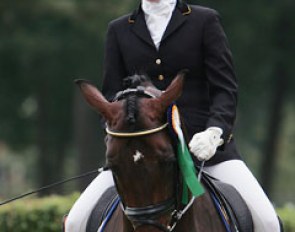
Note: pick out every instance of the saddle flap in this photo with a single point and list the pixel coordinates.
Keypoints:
(232, 202)
(101, 209)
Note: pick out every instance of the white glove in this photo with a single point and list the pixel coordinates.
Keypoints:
(204, 144)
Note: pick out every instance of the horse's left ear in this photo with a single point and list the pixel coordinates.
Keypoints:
(95, 99)
(174, 90)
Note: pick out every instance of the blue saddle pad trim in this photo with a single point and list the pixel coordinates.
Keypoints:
(110, 214)
(218, 208)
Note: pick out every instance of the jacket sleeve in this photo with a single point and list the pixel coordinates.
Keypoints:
(113, 65)
(221, 77)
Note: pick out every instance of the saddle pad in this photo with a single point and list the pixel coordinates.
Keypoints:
(101, 209)
(233, 202)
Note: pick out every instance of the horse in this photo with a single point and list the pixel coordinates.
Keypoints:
(141, 155)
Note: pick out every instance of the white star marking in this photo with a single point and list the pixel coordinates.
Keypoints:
(138, 156)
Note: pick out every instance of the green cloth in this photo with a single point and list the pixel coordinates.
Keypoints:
(185, 162)
(188, 172)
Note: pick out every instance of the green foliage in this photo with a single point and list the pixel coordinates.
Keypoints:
(287, 214)
(42, 215)
(45, 44)
(45, 214)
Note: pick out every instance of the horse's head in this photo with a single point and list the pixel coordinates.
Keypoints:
(139, 149)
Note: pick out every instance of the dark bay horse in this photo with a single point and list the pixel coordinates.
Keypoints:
(142, 158)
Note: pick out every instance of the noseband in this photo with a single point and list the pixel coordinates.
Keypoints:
(148, 215)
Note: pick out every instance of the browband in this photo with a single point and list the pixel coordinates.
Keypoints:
(139, 91)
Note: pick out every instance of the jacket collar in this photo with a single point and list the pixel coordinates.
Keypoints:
(139, 26)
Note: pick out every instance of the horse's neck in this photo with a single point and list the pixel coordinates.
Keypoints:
(202, 216)
(119, 222)
(127, 226)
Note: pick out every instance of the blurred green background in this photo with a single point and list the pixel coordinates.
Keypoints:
(47, 132)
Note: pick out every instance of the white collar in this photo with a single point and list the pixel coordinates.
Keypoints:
(161, 8)
(157, 16)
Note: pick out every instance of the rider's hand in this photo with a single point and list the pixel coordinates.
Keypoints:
(204, 144)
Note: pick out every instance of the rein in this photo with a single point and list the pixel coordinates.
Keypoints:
(50, 186)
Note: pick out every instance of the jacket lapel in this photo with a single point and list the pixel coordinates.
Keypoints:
(176, 21)
(140, 28)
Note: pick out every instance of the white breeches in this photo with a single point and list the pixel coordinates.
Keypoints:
(80, 212)
(233, 172)
(236, 173)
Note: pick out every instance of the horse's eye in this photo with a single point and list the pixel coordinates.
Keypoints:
(110, 162)
(171, 159)
(166, 155)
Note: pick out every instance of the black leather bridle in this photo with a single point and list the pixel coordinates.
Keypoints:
(148, 215)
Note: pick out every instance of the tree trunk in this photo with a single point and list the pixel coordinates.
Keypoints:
(44, 160)
(271, 152)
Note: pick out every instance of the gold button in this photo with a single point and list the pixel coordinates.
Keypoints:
(161, 77)
(158, 61)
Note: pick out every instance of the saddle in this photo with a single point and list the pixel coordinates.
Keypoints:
(228, 202)
(230, 205)
(101, 209)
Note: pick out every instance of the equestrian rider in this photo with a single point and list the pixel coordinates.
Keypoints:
(160, 38)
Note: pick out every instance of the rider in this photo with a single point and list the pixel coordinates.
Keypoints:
(160, 38)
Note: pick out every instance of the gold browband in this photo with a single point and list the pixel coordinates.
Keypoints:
(135, 134)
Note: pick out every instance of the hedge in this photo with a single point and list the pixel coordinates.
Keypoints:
(36, 215)
(287, 214)
(45, 214)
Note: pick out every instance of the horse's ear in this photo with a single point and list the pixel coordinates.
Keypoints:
(95, 99)
(174, 90)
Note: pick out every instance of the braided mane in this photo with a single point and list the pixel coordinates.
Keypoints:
(132, 100)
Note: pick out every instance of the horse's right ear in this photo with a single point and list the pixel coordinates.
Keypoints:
(174, 90)
(95, 99)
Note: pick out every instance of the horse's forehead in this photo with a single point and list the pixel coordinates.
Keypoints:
(147, 110)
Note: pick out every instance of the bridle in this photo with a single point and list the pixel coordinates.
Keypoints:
(139, 91)
(148, 215)
(137, 133)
